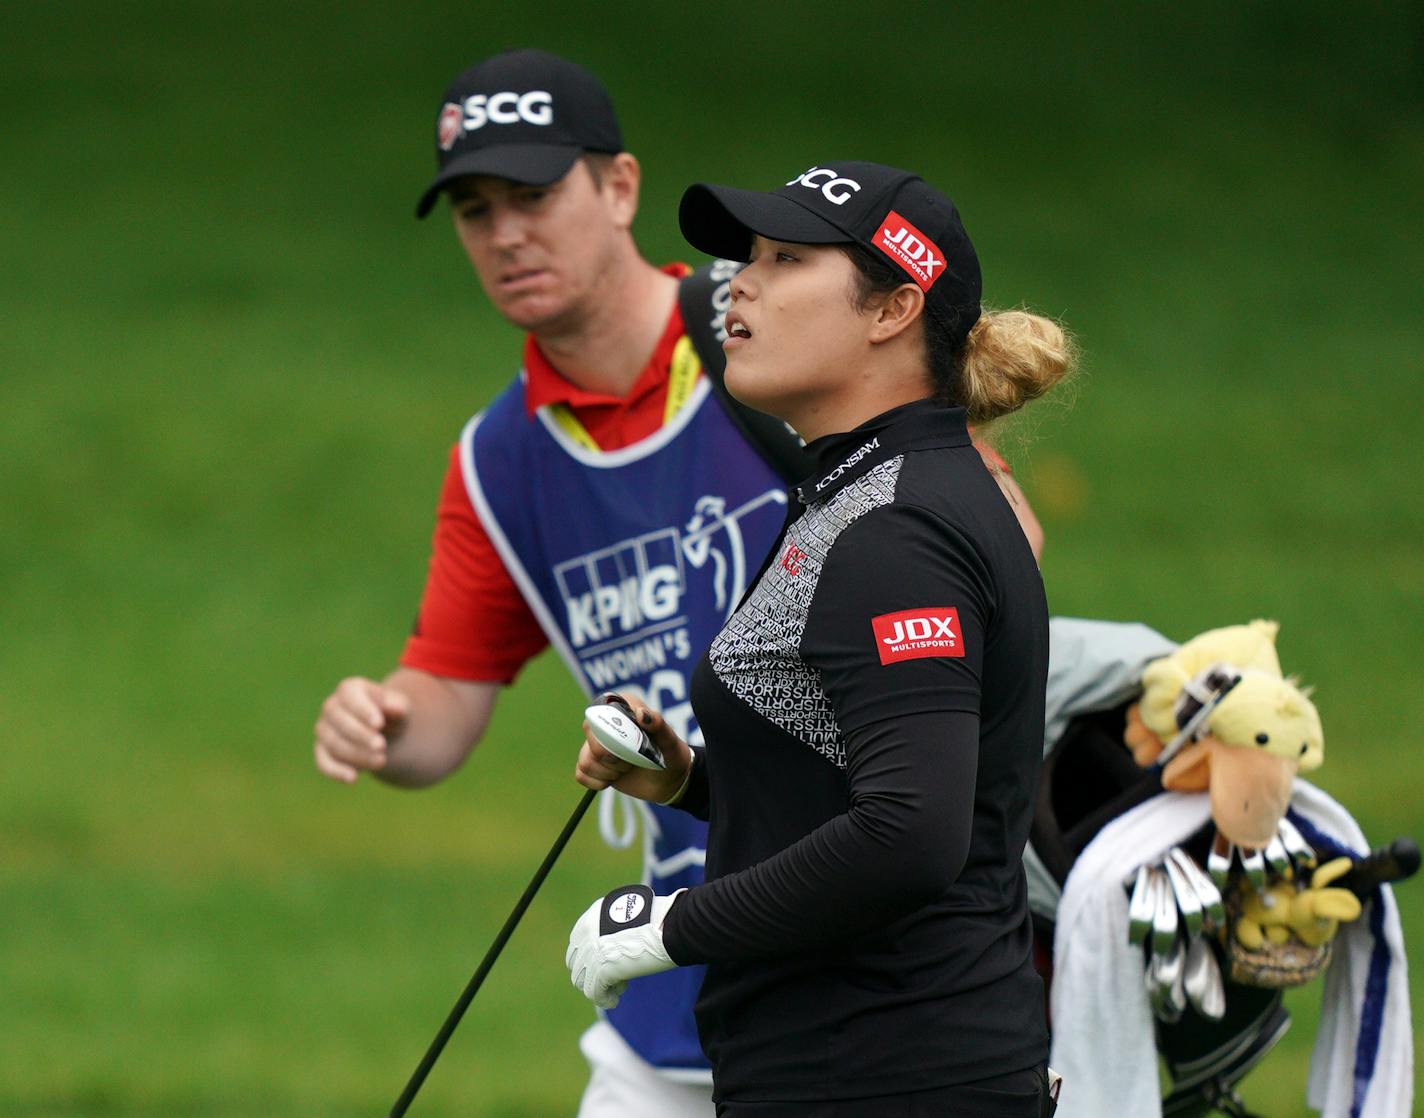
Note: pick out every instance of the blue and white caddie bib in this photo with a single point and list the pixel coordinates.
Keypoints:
(632, 560)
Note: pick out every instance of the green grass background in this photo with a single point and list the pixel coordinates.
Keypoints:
(231, 365)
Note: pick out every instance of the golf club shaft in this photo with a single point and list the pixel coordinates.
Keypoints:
(477, 979)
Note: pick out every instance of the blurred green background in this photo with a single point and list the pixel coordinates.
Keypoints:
(232, 364)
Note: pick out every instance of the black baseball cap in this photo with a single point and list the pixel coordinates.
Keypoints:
(892, 212)
(524, 115)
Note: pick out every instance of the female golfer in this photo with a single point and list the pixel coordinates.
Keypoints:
(873, 711)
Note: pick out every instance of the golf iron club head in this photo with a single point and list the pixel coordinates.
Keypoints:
(1142, 906)
(1202, 980)
(1189, 904)
(1166, 989)
(1213, 909)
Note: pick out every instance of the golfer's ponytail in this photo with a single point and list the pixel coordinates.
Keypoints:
(1009, 358)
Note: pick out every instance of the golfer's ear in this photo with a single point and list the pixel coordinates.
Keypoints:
(896, 312)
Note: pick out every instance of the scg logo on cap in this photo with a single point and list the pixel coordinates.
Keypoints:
(835, 188)
(479, 109)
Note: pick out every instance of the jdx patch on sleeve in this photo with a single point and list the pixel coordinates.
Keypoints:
(912, 633)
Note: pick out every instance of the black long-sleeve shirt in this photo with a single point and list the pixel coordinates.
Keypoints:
(873, 713)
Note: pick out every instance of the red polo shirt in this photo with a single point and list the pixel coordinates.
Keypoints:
(473, 622)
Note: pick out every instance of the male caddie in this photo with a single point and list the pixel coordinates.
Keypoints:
(604, 503)
(612, 502)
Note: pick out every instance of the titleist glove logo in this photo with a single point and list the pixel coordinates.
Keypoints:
(625, 907)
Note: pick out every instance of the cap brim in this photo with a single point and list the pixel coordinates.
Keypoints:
(530, 164)
(720, 221)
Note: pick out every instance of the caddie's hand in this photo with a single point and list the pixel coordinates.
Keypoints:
(598, 769)
(618, 938)
(356, 724)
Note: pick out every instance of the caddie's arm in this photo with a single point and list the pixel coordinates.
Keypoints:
(411, 730)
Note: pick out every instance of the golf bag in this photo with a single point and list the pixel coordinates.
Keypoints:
(1090, 779)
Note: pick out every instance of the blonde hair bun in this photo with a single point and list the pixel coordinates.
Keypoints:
(1010, 358)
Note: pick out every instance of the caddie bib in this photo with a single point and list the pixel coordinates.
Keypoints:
(631, 560)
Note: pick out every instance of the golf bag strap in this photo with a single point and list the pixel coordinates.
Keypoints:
(702, 298)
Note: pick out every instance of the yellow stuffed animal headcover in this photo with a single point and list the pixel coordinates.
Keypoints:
(1261, 733)
(1266, 712)
(1241, 646)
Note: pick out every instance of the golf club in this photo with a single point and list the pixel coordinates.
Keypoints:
(621, 736)
(477, 979)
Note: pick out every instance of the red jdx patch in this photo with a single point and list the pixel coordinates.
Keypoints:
(910, 249)
(913, 633)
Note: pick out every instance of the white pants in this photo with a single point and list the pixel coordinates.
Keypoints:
(623, 1085)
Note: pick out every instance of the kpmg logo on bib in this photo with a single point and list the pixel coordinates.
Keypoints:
(628, 607)
(623, 589)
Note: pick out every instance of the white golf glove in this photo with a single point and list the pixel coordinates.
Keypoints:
(618, 938)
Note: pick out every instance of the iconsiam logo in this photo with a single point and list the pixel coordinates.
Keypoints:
(856, 456)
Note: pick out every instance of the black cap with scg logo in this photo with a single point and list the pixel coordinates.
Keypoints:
(524, 115)
(893, 212)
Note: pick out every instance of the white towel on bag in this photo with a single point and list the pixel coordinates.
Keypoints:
(1103, 1040)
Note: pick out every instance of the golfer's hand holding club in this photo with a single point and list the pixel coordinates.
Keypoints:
(629, 747)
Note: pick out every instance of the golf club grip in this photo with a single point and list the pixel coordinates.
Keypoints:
(1396, 862)
(477, 979)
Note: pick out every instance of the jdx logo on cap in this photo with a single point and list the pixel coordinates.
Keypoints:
(833, 186)
(914, 633)
(911, 249)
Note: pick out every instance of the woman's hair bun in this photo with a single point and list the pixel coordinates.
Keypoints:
(1010, 358)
